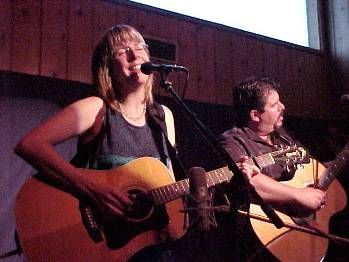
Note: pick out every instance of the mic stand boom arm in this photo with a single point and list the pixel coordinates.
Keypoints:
(310, 230)
(217, 147)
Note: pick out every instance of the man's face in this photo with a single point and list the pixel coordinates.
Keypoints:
(272, 117)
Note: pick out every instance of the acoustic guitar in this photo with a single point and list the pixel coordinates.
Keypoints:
(289, 244)
(53, 225)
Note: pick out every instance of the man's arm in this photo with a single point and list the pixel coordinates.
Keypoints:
(295, 201)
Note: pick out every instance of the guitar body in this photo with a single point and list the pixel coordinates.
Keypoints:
(50, 226)
(294, 245)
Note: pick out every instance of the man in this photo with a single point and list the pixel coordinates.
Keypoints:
(259, 129)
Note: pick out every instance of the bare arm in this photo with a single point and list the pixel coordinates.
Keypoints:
(82, 118)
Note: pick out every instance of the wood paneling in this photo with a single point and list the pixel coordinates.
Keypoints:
(239, 58)
(205, 60)
(223, 67)
(80, 37)
(253, 49)
(26, 36)
(270, 60)
(104, 17)
(187, 42)
(56, 39)
(53, 60)
(5, 34)
(127, 16)
(288, 89)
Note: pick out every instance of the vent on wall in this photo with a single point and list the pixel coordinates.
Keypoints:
(160, 50)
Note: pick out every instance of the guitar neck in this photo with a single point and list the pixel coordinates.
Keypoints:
(263, 160)
(176, 190)
(338, 166)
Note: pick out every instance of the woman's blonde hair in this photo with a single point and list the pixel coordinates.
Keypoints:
(108, 88)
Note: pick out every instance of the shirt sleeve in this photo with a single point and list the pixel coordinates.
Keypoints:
(232, 146)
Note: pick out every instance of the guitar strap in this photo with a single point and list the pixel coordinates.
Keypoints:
(158, 120)
(18, 251)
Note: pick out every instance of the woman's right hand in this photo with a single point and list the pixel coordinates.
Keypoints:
(108, 199)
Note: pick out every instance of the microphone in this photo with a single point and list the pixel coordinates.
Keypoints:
(201, 199)
(345, 99)
(148, 67)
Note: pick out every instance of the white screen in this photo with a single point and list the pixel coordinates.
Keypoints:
(280, 19)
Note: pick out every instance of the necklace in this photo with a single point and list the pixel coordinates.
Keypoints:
(134, 118)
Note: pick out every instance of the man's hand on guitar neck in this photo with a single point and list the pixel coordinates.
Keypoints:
(247, 169)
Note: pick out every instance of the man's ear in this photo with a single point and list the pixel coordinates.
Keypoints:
(255, 115)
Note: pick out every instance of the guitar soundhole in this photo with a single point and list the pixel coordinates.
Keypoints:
(142, 206)
(144, 217)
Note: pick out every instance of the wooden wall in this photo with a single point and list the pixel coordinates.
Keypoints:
(56, 39)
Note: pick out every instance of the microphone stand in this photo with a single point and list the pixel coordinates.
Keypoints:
(217, 147)
(309, 230)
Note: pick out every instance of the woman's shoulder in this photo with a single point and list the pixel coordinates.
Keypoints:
(88, 110)
(92, 100)
(91, 103)
(92, 111)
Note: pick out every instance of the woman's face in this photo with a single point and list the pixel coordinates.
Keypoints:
(126, 64)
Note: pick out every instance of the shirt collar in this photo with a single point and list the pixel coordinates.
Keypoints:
(254, 136)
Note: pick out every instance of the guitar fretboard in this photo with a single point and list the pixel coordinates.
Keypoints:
(338, 166)
(263, 161)
(176, 190)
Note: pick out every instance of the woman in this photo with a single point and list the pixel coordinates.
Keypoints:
(112, 129)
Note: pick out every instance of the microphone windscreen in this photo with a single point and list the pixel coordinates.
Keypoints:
(197, 178)
(147, 68)
(202, 199)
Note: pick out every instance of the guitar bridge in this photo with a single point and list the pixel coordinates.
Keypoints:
(88, 219)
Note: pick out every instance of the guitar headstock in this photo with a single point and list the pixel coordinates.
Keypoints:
(290, 156)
